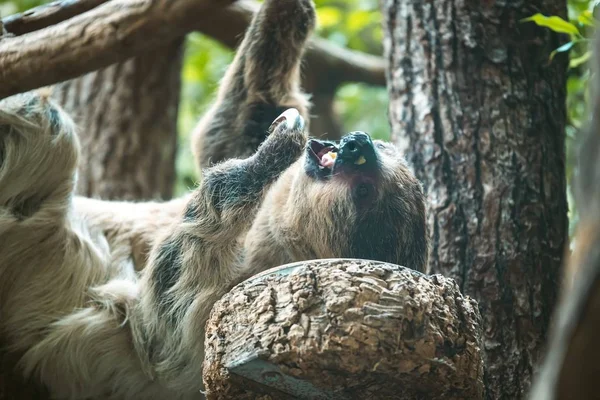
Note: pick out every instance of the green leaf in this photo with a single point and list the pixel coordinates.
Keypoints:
(557, 24)
(586, 18)
(562, 49)
(576, 62)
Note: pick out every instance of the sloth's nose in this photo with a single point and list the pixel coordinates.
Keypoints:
(355, 145)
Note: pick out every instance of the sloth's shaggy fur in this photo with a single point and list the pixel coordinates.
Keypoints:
(108, 300)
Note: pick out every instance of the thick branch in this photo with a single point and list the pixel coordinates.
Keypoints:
(112, 32)
(328, 65)
(47, 15)
(343, 65)
(344, 329)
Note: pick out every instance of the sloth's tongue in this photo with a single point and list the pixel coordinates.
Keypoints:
(327, 156)
(328, 159)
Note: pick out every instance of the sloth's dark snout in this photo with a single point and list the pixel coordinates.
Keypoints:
(354, 154)
(355, 145)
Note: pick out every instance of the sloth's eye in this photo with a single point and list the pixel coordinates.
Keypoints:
(380, 146)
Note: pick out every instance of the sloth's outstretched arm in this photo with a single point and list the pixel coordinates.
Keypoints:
(195, 263)
(262, 82)
(267, 65)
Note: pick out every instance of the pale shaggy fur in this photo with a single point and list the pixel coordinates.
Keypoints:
(73, 302)
(109, 300)
(55, 248)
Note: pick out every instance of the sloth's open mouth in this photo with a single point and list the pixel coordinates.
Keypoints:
(354, 154)
(323, 154)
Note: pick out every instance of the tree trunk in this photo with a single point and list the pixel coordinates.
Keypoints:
(483, 112)
(344, 329)
(127, 114)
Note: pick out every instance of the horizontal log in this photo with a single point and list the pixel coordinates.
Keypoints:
(347, 329)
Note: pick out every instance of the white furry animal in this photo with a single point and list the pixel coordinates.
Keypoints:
(108, 300)
(72, 298)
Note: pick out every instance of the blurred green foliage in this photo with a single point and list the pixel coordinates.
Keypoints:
(579, 30)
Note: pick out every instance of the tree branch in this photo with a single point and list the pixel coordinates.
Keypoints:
(63, 40)
(359, 337)
(344, 64)
(47, 15)
(112, 32)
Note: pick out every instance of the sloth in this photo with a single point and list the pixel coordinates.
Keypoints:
(355, 198)
(108, 300)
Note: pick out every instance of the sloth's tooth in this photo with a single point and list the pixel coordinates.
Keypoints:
(361, 160)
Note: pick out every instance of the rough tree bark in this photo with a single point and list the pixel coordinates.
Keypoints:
(483, 112)
(344, 329)
(127, 115)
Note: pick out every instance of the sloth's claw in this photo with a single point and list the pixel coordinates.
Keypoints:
(292, 118)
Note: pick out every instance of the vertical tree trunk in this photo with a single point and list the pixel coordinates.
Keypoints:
(127, 114)
(483, 113)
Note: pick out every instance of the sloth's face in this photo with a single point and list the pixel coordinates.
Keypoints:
(369, 170)
(360, 197)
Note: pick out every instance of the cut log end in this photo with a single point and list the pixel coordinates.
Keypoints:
(351, 329)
